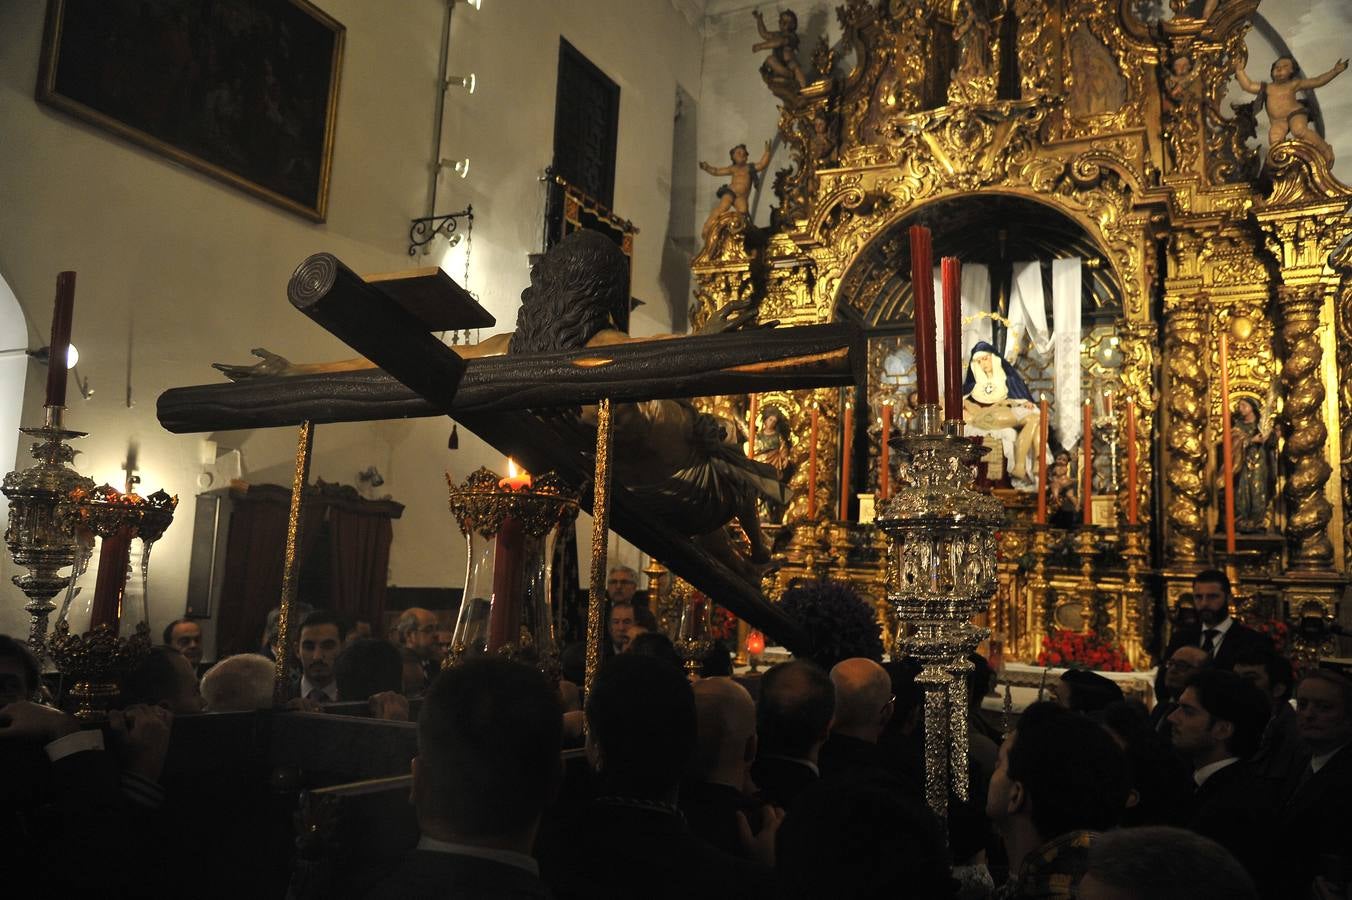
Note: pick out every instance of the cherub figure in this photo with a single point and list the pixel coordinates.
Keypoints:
(1179, 80)
(741, 179)
(782, 63)
(1288, 113)
(822, 141)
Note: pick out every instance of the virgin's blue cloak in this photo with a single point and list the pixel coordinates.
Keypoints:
(1018, 388)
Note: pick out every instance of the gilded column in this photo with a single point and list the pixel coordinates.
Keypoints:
(1342, 260)
(1308, 511)
(1185, 443)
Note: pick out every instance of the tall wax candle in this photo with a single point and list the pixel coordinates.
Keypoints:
(952, 283)
(922, 284)
(1227, 447)
(1088, 479)
(752, 414)
(812, 467)
(504, 612)
(1132, 513)
(847, 450)
(884, 455)
(59, 347)
(111, 581)
(1043, 425)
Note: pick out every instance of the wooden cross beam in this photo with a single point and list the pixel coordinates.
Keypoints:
(498, 399)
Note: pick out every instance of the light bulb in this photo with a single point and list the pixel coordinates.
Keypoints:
(72, 356)
(467, 82)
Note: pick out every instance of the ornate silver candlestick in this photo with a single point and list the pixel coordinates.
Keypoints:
(941, 552)
(38, 536)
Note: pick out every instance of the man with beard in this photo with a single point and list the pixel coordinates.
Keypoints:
(1223, 639)
(321, 637)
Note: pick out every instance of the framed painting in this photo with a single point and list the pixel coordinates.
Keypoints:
(243, 90)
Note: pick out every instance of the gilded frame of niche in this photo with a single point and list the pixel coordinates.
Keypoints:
(1103, 23)
(957, 152)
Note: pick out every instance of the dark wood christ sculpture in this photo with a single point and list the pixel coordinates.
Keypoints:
(513, 402)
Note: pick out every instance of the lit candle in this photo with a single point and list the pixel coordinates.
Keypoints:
(812, 468)
(504, 613)
(752, 426)
(952, 282)
(884, 459)
(1042, 462)
(847, 450)
(755, 643)
(516, 478)
(1088, 441)
(1227, 448)
(1108, 403)
(111, 582)
(1132, 516)
(59, 346)
(922, 284)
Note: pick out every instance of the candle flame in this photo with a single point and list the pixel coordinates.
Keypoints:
(512, 470)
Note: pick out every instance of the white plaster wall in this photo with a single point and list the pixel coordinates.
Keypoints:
(177, 270)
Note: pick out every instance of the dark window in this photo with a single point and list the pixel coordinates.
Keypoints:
(586, 122)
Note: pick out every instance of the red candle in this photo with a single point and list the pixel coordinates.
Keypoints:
(755, 643)
(752, 426)
(1132, 515)
(504, 613)
(1108, 403)
(812, 468)
(847, 450)
(884, 462)
(1042, 462)
(1088, 441)
(1227, 448)
(111, 582)
(59, 346)
(922, 284)
(516, 478)
(952, 281)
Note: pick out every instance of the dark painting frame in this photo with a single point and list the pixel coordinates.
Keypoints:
(245, 91)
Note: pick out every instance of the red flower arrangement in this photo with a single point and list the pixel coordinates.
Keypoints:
(1277, 629)
(1082, 650)
(723, 624)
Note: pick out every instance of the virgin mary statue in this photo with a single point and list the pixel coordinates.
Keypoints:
(996, 401)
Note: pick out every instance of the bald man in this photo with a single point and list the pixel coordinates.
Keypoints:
(864, 705)
(725, 746)
(417, 630)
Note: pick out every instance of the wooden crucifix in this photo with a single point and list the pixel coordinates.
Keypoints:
(519, 402)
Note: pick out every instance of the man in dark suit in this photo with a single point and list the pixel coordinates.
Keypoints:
(631, 840)
(1314, 828)
(793, 719)
(864, 705)
(1217, 727)
(725, 747)
(489, 737)
(1219, 635)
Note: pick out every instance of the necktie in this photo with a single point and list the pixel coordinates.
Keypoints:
(1209, 642)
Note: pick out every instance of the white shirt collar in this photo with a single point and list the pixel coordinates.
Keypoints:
(330, 690)
(1201, 775)
(1221, 628)
(798, 759)
(1318, 762)
(506, 857)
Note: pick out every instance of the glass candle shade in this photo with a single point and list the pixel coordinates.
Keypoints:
(694, 628)
(507, 608)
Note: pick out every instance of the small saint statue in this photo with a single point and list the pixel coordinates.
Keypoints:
(1250, 441)
(781, 70)
(996, 401)
(741, 179)
(1288, 112)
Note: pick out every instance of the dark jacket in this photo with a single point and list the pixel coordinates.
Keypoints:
(1235, 807)
(1313, 828)
(781, 780)
(431, 874)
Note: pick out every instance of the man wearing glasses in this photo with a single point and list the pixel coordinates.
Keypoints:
(418, 632)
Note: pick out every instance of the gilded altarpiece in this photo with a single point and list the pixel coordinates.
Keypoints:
(1119, 129)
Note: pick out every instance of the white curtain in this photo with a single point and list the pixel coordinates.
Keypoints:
(1027, 311)
(1066, 294)
(976, 298)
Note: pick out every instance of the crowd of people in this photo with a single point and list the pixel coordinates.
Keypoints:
(1238, 784)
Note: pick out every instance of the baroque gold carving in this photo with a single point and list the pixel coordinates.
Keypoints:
(1185, 447)
(1308, 511)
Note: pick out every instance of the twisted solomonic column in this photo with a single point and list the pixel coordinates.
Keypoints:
(1185, 443)
(1308, 511)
